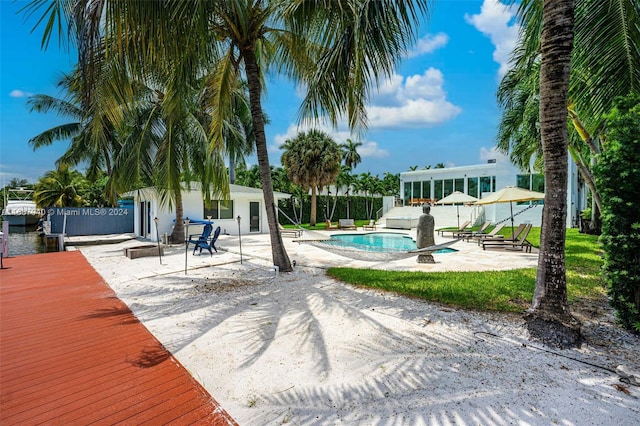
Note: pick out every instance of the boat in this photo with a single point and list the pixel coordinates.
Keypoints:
(19, 209)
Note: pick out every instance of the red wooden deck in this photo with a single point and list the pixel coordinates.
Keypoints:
(71, 352)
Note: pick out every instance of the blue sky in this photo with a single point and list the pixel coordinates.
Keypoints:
(439, 107)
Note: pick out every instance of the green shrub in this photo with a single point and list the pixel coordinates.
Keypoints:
(618, 179)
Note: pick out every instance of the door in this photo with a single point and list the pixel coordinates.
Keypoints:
(145, 219)
(254, 214)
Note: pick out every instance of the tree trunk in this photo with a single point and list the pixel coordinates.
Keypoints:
(314, 206)
(278, 252)
(549, 319)
(177, 236)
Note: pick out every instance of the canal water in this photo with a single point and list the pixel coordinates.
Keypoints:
(25, 240)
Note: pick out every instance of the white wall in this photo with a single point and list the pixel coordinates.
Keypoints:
(505, 175)
(192, 202)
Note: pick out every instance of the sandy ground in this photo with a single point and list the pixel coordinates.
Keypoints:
(301, 348)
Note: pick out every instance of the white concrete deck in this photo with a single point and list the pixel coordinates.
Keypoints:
(256, 251)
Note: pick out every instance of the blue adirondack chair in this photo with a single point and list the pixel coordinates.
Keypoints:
(206, 243)
(198, 239)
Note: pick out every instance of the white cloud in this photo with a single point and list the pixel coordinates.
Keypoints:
(414, 113)
(416, 101)
(369, 149)
(428, 44)
(495, 21)
(16, 93)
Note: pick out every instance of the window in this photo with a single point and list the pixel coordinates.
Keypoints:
(537, 183)
(448, 187)
(472, 187)
(531, 182)
(458, 185)
(523, 181)
(407, 193)
(426, 189)
(487, 184)
(437, 189)
(218, 209)
(416, 190)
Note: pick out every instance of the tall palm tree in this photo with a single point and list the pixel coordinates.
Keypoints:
(312, 161)
(60, 188)
(550, 318)
(168, 144)
(337, 49)
(350, 154)
(606, 29)
(92, 136)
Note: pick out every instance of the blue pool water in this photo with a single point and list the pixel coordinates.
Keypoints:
(378, 241)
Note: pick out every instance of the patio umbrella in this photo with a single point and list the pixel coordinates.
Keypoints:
(456, 198)
(509, 194)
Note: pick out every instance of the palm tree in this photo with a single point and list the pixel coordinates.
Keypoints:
(605, 29)
(168, 144)
(550, 318)
(350, 153)
(91, 133)
(60, 188)
(312, 161)
(391, 184)
(337, 49)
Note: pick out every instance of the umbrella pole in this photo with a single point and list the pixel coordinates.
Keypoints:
(512, 228)
(458, 210)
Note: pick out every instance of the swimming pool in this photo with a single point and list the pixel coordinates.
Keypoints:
(378, 241)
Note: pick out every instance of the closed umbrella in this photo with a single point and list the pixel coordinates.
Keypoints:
(509, 194)
(456, 198)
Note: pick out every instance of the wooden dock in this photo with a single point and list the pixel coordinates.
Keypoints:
(71, 352)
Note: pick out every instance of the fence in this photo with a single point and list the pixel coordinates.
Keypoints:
(74, 221)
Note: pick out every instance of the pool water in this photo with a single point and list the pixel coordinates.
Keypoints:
(379, 241)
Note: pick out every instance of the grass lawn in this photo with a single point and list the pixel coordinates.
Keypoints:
(506, 291)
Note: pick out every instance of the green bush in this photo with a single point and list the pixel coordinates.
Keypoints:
(618, 179)
(357, 208)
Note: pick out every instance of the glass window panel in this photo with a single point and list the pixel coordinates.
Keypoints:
(210, 209)
(523, 181)
(537, 183)
(448, 187)
(437, 189)
(226, 209)
(416, 190)
(472, 187)
(426, 189)
(407, 192)
(493, 183)
(458, 185)
(485, 184)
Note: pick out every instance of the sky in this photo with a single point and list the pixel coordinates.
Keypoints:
(439, 107)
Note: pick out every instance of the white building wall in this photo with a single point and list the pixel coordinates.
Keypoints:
(192, 202)
(505, 175)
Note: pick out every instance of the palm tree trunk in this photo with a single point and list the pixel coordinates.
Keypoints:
(314, 206)
(549, 319)
(278, 252)
(177, 236)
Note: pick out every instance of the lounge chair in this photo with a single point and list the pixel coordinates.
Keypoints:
(370, 227)
(289, 232)
(467, 233)
(204, 241)
(330, 226)
(497, 237)
(346, 224)
(521, 243)
(454, 231)
(479, 236)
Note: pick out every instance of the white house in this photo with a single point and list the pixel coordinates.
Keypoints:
(244, 202)
(482, 179)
